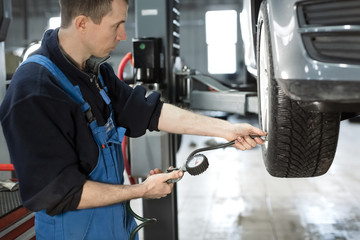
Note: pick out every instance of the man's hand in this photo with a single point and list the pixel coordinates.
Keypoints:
(241, 132)
(155, 171)
(156, 186)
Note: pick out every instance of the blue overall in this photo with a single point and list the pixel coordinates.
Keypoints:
(110, 222)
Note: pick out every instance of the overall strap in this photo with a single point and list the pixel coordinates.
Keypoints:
(73, 91)
(104, 92)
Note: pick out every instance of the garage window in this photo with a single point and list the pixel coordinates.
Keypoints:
(54, 22)
(221, 39)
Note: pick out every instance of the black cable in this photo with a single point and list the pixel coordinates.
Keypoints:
(223, 145)
(145, 221)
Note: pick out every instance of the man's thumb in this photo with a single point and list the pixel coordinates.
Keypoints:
(176, 174)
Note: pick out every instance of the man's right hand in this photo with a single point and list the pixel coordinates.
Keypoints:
(156, 185)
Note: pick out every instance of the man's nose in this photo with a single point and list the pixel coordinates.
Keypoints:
(121, 35)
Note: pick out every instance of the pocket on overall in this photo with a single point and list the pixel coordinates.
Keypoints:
(110, 165)
(77, 224)
(44, 226)
(104, 167)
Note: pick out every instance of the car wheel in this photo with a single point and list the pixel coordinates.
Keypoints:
(300, 143)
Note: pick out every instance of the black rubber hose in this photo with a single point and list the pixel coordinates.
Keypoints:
(145, 221)
(223, 145)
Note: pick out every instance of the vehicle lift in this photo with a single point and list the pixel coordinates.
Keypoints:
(156, 48)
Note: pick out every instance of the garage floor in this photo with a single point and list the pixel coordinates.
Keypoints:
(237, 199)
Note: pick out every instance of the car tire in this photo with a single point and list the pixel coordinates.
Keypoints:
(300, 143)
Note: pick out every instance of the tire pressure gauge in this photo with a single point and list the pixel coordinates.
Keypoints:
(198, 163)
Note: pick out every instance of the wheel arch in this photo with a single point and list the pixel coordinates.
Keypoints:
(248, 25)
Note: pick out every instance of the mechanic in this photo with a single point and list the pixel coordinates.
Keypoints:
(68, 156)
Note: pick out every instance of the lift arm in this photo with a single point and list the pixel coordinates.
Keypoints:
(221, 98)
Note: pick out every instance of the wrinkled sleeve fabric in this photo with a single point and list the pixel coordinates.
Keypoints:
(135, 109)
(42, 129)
(42, 149)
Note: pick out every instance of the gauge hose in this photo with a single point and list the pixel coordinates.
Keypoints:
(223, 145)
(145, 221)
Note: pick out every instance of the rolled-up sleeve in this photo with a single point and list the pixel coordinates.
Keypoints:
(141, 113)
(135, 108)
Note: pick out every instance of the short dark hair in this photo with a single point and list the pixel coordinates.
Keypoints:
(95, 9)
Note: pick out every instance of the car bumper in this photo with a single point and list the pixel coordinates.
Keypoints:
(324, 96)
(302, 69)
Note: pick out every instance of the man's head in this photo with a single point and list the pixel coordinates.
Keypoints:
(96, 26)
(95, 9)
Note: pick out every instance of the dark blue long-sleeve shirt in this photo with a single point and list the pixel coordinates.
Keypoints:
(49, 141)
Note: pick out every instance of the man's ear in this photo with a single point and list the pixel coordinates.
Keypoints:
(81, 23)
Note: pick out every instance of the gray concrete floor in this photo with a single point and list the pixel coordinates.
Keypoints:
(237, 199)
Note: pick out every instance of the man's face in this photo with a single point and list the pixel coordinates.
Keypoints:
(104, 37)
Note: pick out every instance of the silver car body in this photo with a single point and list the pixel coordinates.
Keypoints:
(301, 76)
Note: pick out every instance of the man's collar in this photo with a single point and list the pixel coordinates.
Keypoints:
(93, 64)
